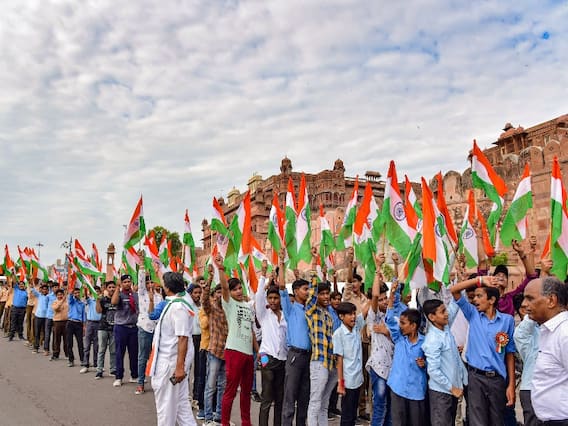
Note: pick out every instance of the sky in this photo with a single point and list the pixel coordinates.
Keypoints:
(182, 100)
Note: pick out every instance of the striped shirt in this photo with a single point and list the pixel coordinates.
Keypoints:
(320, 326)
(218, 327)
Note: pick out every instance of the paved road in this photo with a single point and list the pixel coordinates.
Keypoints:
(34, 390)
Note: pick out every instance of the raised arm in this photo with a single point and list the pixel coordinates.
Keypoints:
(377, 283)
(116, 295)
(206, 293)
(218, 261)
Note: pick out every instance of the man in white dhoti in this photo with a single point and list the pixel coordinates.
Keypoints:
(170, 360)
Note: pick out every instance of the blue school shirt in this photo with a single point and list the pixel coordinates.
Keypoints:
(445, 366)
(76, 309)
(92, 314)
(155, 314)
(348, 344)
(406, 379)
(336, 321)
(295, 313)
(50, 299)
(20, 299)
(41, 302)
(481, 345)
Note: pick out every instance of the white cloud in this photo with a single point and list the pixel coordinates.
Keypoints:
(181, 101)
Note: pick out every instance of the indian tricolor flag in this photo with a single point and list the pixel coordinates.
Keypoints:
(484, 177)
(443, 208)
(218, 221)
(131, 260)
(290, 225)
(223, 242)
(189, 257)
(559, 223)
(136, 227)
(514, 225)
(394, 215)
(435, 248)
(365, 246)
(468, 238)
(304, 223)
(327, 243)
(411, 209)
(9, 267)
(275, 228)
(345, 237)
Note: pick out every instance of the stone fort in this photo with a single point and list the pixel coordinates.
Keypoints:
(515, 146)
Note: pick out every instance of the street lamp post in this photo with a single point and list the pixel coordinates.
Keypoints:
(39, 245)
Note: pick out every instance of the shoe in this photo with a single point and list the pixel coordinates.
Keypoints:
(117, 383)
(22, 338)
(365, 417)
(195, 403)
(99, 375)
(200, 415)
(113, 373)
(84, 370)
(330, 415)
(139, 390)
(335, 411)
(255, 396)
(133, 380)
(70, 364)
(45, 353)
(35, 351)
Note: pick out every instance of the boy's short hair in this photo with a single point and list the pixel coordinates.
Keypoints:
(431, 306)
(323, 286)
(272, 290)
(335, 294)
(383, 288)
(358, 277)
(214, 289)
(299, 283)
(518, 301)
(345, 308)
(491, 292)
(414, 316)
(59, 291)
(234, 283)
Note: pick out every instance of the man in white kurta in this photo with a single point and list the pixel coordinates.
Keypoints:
(171, 357)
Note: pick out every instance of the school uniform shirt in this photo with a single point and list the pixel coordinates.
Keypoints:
(444, 364)
(382, 347)
(406, 378)
(124, 314)
(347, 344)
(76, 309)
(274, 341)
(91, 308)
(526, 338)
(295, 314)
(20, 298)
(359, 301)
(41, 305)
(482, 344)
(240, 319)
(50, 299)
(550, 377)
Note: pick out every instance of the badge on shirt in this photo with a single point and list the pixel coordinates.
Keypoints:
(502, 339)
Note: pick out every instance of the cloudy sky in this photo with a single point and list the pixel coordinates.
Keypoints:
(180, 100)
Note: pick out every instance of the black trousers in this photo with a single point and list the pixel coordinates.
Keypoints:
(47, 334)
(39, 330)
(74, 329)
(272, 375)
(202, 375)
(296, 387)
(529, 417)
(408, 412)
(486, 399)
(196, 343)
(443, 408)
(17, 321)
(349, 404)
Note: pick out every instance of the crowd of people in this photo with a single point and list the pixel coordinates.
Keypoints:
(456, 357)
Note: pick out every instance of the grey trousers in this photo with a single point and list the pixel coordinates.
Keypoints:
(90, 338)
(296, 388)
(486, 399)
(529, 417)
(408, 412)
(106, 340)
(443, 407)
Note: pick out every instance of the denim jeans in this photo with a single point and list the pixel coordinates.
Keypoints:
(106, 340)
(215, 381)
(144, 348)
(322, 382)
(91, 339)
(381, 400)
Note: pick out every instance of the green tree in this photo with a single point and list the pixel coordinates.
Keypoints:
(170, 236)
(500, 259)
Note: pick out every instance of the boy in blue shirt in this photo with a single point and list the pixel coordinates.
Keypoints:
(348, 350)
(407, 378)
(446, 371)
(490, 352)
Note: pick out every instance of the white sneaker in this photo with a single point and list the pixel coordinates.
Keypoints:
(117, 383)
(132, 380)
(84, 370)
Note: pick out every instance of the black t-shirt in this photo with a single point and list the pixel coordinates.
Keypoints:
(107, 316)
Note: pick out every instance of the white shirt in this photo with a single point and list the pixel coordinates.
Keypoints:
(273, 330)
(382, 348)
(174, 322)
(549, 393)
(144, 321)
